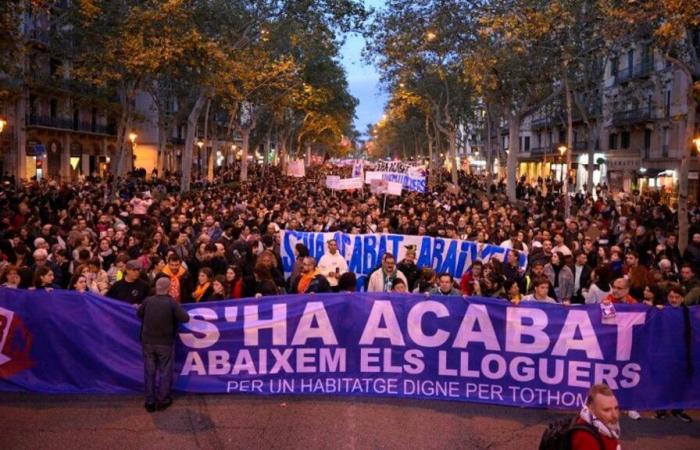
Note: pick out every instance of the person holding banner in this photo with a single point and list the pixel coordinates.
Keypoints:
(445, 286)
(381, 280)
(332, 264)
(602, 412)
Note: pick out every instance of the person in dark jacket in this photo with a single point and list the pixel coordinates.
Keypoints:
(132, 288)
(160, 315)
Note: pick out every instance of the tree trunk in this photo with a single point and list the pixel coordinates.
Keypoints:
(489, 146)
(212, 160)
(245, 136)
(569, 149)
(126, 96)
(683, 175)
(192, 120)
(431, 158)
(162, 140)
(512, 156)
(205, 148)
(592, 136)
(453, 157)
(308, 155)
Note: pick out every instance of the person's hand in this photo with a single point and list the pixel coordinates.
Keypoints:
(258, 295)
(566, 302)
(647, 302)
(48, 289)
(427, 294)
(660, 306)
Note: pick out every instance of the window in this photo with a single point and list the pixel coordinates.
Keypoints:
(527, 143)
(630, 61)
(54, 65)
(612, 138)
(647, 140)
(625, 139)
(53, 108)
(93, 119)
(613, 67)
(667, 107)
(562, 136)
(76, 118)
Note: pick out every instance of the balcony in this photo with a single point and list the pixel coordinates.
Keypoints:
(542, 122)
(632, 116)
(68, 124)
(580, 146)
(176, 141)
(641, 70)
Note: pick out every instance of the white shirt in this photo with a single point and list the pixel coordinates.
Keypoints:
(563, 249)
(376, 280)
(577, 277)
(328, 263)
(531, 298)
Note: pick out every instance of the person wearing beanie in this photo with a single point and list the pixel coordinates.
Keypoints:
(160, 315)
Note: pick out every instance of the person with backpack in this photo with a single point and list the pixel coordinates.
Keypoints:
(596, 427)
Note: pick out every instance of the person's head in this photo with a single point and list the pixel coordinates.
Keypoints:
(301, 250)
(602, 403)
(620, 288)
(632, 259)
(347, 282)
(547, 246)
(78, 283)
(652, 293)
(665, 266)
(512, 289)
(445, 282)
(230, 273)
(205, 275)
(308, 265)
(174, 263)
(11, 276)
(581, 258)
(410, 253)
(541, 287)
(696, 238)
(133, 270)
(40, 256)
(219, 285)
(477, 268)
(513, 257)
(398, 285)
(687, 272)
(675, 295)
(388, 263)
(163, 285)
(537, 269)
(43, 277)
(557, 259)
(332, 247)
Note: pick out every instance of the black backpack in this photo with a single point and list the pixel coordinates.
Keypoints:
(558, 434)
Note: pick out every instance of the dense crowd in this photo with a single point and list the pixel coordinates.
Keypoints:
(221, 240)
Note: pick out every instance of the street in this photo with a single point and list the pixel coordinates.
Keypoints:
(31, 421)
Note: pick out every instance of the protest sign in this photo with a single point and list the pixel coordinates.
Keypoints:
(296, 168)
(379, 345)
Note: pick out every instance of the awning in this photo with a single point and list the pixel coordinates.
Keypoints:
(650, 173)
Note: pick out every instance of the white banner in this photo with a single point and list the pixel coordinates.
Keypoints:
(296, 168)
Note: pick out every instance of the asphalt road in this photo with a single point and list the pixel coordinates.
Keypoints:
(243, 421)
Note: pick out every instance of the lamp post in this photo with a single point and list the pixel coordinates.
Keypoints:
(696, 141)
(3, 122)
(132, 138)
(200, 144)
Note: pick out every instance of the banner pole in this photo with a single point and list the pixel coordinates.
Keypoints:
(384, 207)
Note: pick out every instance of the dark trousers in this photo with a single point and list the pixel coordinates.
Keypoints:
(157, 360)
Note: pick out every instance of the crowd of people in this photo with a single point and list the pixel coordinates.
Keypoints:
(221, 240)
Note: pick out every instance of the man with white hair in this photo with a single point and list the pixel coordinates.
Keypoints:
(160, 315)
(41, 258)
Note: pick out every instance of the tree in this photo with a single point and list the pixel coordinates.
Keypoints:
(672, 27)
(419, 46)
(515, 61)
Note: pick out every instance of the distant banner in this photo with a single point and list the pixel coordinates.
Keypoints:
(411, 177)
(363, 252)
(296, 168)
(385, 187)
(358, 168)
(336, 183)
(378, 345)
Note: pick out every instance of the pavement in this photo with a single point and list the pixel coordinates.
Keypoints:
(33, 421)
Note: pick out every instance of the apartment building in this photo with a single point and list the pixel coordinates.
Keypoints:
(638, 116)
(58, 127)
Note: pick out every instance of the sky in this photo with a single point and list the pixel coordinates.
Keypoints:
(363, 79)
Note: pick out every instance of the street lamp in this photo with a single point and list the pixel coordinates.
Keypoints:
(431, 36)
(132, 138)
(696, 141)
(200, 144)
(562, 150)
(3, 122)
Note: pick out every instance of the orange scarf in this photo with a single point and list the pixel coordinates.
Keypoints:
(174, 281)
(305, 281)
(199, 292)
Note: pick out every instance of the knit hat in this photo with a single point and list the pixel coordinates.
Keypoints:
(163, 286)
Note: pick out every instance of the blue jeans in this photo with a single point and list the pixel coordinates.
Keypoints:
(158, 358)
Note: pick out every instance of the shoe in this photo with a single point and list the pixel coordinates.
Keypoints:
(634, 415)
(165, 405)
(683, 416)
(661, 414)
(150, 407)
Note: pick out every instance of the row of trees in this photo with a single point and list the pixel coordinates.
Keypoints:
(451, 63)
(262, 70)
